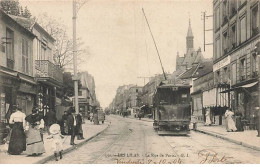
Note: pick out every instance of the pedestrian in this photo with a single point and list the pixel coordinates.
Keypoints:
(79, 121)
(64, 124)
(208, 121)
(17, 143)
(34, 139)
(57, 141)
(238, 116)
(230, 123)
(71, 120)
(49, 119)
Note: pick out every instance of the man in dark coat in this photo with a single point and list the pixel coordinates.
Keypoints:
(49, 119)
(79, 120)
(63, 125)
(71, 120)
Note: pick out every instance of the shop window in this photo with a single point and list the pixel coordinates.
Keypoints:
(25, 56)
(254, 65)
(10, 48)
(254, 21)
(242, 69)
(243, 29)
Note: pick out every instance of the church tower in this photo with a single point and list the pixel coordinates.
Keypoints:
(189, 38)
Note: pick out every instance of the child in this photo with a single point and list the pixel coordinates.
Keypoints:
(56, 140)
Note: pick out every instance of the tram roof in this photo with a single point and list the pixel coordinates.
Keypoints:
(174, 85)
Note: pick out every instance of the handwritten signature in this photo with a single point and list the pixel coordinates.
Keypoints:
(211, 156)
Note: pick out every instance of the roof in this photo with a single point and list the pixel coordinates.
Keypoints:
(204, 68)
(199, 70)
(25, 22)
(189, 73)
(29, 23)
(19, 26)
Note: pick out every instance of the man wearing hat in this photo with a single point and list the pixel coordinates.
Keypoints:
(71, 120)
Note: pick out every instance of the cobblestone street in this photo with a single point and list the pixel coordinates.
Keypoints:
(134, 141)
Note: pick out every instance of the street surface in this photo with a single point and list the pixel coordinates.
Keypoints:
(132, 141)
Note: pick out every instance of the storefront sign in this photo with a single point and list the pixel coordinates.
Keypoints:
(27, 88)
(221, 63)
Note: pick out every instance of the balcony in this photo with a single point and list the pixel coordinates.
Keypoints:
(46, 69)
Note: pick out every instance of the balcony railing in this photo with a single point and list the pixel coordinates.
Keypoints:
(47, 69)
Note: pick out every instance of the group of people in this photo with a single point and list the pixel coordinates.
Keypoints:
(26, 132)
(231, 125)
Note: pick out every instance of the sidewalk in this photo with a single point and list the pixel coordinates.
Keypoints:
(89, 130)
(247, 138)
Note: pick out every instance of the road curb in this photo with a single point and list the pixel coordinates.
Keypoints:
(50, 157)
(228, 139)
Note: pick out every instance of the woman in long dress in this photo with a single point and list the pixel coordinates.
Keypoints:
(17, 143)
(208, 121)
(230, 123)
(34, 141)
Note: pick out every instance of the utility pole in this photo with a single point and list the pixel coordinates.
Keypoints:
(75, 10)
(75, 77)
(204, 17)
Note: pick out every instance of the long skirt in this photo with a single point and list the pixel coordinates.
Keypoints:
(34, 142)
(230, 124)
(17, 142)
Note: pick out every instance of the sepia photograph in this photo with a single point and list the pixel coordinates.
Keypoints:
(129, 82)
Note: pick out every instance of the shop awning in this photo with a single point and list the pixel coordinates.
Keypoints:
(243, 86)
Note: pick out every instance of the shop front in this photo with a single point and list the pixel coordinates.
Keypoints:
(246, 103)
(26, 94)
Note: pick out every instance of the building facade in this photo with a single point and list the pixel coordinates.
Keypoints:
(236, 32)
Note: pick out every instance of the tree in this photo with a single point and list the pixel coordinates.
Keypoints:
(10, 7)
(27, 13)
(68, 90)
(13, 7)
(63, 53)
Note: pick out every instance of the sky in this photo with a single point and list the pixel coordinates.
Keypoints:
(118, 40)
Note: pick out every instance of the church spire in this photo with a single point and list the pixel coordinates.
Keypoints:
(189, 34)
(189, 38)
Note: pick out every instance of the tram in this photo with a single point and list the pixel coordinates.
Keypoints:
(172, 109)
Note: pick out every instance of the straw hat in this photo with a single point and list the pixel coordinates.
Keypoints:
(54, 129)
